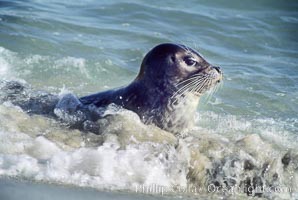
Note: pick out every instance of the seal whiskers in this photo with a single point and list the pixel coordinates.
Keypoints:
(193, 84)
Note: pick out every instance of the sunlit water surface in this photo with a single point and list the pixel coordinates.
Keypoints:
(88, 46)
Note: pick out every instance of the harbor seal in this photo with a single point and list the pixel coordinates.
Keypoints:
(166, 90)
(165, 93)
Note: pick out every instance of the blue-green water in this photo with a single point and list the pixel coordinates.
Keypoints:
(88, 46)
(255, 44)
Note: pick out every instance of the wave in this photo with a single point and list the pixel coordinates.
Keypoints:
(129, 154)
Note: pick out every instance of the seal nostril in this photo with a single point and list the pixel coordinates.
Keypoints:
(217, 69)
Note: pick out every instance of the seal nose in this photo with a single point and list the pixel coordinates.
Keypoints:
(217, 69)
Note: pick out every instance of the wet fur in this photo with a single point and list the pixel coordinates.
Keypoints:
(163, 93)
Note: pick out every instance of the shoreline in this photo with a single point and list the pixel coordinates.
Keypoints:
(14, 189)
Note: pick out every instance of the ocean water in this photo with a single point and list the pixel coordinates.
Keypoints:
(88, 46)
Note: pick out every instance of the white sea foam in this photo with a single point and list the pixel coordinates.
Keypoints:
(51, 70)
(130, 154)
(71, 62)
(39, 156)
(104, 167)
(4, 66)
(5, 61)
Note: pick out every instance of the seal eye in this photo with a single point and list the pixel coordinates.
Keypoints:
(190, 61)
